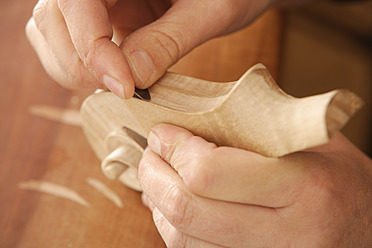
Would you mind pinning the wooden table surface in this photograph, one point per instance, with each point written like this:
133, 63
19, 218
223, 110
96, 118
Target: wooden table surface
36, 148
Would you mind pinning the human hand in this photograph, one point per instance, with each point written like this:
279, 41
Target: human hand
73, 38
207, 196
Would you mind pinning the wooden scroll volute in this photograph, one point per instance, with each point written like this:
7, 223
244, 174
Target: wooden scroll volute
252, 113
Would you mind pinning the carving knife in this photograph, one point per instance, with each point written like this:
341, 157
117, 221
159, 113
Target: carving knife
142, 94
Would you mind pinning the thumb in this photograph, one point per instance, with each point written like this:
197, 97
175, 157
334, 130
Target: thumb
151, 50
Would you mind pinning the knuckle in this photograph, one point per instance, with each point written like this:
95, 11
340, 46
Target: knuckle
326, 184
174, 153
200, 175
171, 44
76, 74
170, 154
324, 189
87, 56
90, 51
201, 171
328, 192
179, 211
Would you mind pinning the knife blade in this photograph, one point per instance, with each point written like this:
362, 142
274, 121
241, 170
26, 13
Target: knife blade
142, 94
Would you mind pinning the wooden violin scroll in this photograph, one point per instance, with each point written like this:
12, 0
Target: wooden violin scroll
252, 113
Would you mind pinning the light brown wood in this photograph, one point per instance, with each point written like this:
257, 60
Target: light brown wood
252, 113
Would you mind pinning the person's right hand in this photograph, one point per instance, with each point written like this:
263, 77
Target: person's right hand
202, 195
73, 39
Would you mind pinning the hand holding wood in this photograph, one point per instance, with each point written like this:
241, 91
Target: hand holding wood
196, 191
252, 113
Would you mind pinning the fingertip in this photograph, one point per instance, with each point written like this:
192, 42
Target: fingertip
124, 86
128, 89
164, 130
113, 85
165, 135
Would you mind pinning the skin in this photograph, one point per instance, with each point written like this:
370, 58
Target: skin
202, 195
152, 36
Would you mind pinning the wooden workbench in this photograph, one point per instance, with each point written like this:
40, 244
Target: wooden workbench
36, 148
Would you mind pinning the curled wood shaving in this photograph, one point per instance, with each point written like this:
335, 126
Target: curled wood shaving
54, 189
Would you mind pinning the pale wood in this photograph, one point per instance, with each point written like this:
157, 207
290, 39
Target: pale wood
54, 189
252, 113
67, 116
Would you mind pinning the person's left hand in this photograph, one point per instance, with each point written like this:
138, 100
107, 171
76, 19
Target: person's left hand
126, 43
207, 196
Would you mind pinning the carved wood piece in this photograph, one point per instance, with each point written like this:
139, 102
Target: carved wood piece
252, 113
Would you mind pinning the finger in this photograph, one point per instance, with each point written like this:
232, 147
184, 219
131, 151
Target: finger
46, 56
152, 49
228, 174
200, 217
91, 32
174, 238
128, 16
57, 53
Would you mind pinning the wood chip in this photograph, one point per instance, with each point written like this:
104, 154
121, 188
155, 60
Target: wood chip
54, 189
66, 116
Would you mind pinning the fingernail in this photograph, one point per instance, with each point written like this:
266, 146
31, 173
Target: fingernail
114, 86
142, 66
154, 143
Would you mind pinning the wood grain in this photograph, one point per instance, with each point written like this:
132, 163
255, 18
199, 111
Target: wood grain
252, 113
34, 148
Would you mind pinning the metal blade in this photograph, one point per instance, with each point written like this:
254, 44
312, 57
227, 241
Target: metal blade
142, 94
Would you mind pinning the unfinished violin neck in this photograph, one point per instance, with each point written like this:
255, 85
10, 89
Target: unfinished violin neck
252, 113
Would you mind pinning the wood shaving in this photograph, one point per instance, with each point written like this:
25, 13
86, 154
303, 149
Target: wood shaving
66, 116
54, 189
